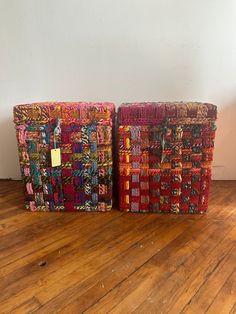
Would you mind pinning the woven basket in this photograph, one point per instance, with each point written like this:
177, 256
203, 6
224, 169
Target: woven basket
165, 156
83, 134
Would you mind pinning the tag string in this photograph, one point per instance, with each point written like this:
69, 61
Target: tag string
163, 143
57, 131
162, 148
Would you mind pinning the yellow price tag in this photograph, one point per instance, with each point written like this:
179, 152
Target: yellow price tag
56, 157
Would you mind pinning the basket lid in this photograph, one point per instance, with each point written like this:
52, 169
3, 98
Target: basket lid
152, 113
68, 112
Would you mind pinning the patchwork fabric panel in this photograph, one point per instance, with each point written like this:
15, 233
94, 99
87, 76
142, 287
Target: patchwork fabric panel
166, 166
83, 133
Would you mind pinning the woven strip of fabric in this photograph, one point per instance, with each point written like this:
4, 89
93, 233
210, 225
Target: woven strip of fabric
165, 165
83, 182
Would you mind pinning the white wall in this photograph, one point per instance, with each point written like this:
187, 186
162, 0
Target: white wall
119, 50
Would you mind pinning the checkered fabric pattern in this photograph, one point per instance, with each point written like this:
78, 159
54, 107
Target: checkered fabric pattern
165, 156
83, 181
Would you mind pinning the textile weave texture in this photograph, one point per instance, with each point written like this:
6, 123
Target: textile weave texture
83, 132
165, 156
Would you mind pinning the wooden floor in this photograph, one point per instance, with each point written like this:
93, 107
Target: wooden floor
116, 262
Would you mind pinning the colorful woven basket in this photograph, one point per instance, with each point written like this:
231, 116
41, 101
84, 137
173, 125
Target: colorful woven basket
165, 156
65, 152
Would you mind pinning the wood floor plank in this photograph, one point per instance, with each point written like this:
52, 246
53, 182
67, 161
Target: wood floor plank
38, 240
26, 307
117, 262
233, 310
175, 291
215, 281
71, 260
127, 262
96, 256
137, 288
57, 249
182, 286
59, 252
224, 301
